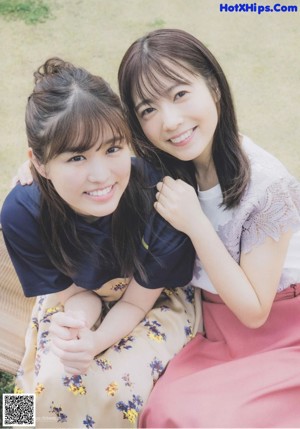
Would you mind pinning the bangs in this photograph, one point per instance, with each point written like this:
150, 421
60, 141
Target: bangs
80, 128
149, 76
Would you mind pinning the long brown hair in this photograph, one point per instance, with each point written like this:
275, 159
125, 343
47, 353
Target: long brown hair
67, 111
165, 53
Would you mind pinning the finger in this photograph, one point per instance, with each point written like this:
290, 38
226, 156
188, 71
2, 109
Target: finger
70, 358
76, 365
25, 180
163, 188
162, 210
159, 186
173, 184
69, 370
170, 185
66, 346
162, 199
65, 320
71, 346
14, 181
168, 181
24, 173
57, 331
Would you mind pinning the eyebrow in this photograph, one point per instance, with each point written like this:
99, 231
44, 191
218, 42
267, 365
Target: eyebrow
167, 91
110, 141
141, 103
104, 143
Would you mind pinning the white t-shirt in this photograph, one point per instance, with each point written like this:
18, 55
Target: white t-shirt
269, 207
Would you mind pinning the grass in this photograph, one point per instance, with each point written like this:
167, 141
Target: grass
30, 11
6, 386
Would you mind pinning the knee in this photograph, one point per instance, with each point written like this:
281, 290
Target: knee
159, 408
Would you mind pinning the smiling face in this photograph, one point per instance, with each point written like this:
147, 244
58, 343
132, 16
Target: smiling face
182, 120
91, 182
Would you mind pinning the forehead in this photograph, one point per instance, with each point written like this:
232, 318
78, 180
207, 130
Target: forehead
83, 136
156, 79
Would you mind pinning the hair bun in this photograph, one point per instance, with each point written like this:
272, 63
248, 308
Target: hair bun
51, 67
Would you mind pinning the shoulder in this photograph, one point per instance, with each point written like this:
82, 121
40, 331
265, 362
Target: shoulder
26, 197
268, 173
167, 255
20, 208
264, 165
147, 171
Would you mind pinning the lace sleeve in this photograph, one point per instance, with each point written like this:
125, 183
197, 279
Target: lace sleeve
277, 211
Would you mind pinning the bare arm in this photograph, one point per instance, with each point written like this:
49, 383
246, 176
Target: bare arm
247, 289
124, 316
82, 308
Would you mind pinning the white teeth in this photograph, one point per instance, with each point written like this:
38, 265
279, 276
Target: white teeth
182, 137
100, 192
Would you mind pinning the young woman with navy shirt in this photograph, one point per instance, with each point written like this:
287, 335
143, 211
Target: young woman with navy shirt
108, 272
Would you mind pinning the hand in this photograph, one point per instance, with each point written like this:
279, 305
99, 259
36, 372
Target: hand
76, 355
66, 325
23, 175
178, 203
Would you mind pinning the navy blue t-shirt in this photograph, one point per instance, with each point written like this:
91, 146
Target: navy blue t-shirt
166, 254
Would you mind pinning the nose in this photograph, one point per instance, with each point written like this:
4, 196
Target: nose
172, 117
98, 171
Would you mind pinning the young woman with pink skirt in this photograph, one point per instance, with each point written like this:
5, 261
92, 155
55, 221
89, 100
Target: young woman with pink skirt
243, 369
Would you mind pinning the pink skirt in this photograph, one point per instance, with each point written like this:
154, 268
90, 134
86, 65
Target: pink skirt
234, 377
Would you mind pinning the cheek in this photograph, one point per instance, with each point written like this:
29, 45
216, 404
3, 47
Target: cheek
151, 128
123, 169
66, 182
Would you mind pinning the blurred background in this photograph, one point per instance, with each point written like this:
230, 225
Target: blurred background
259, 54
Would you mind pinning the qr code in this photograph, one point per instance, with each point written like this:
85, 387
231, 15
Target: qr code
18, 410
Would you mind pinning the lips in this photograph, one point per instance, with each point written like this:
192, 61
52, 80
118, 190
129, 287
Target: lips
100, 192
182, 137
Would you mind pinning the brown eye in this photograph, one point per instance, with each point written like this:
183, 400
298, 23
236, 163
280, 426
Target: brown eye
113, 149
76, 158
180, 94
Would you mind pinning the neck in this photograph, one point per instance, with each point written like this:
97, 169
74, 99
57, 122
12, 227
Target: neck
206, 175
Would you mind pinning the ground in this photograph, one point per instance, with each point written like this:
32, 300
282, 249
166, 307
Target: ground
259, 54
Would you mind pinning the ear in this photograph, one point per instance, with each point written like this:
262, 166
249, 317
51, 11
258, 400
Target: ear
217, 94
41, 169
215, 90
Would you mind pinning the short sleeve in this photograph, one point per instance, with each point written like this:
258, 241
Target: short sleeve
277, 210
168, 256
19, 222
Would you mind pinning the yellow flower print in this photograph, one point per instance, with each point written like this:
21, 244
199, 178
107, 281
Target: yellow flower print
131, 415
156, 337
77, 390
18, 390
52, 310
39, 388
168, 292
112, 388
75, 384
154, 331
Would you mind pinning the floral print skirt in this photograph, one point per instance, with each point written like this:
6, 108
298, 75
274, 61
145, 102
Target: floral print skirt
119, 381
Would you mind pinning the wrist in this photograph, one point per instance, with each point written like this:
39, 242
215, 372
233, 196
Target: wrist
196, 225
98, 341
